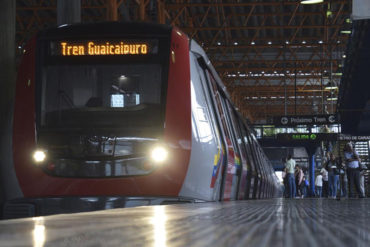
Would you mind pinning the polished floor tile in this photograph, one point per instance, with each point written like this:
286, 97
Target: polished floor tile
278, 222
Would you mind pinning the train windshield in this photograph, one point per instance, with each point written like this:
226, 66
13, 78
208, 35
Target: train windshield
105, 96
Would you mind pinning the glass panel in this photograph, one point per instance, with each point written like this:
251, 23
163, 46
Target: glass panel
109, 96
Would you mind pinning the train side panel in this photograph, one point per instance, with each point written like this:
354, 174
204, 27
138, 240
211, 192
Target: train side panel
203, 175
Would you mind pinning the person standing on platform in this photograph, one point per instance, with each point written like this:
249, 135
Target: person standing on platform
325, 182
353, 170
318, 185
298, 175
333, 174
285, 179
344, 183
362, 182
289, 167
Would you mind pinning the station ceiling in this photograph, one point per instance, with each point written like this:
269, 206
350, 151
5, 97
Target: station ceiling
275, 57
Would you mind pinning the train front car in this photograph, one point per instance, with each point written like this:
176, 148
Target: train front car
102, 118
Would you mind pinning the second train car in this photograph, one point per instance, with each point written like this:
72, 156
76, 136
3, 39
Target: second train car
121, 114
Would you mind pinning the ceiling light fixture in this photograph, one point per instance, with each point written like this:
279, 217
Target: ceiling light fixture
346, 31
332, 99
330, 86
311, 1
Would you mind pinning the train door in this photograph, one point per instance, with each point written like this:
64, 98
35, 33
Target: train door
220, 158
262, 170
229, 174
250, 162
264, 174
242, 167
233, 171
227, 157
257, 162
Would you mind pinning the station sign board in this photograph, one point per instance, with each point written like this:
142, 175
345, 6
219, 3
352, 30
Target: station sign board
305, 120
320, 137
314, 137
343, 137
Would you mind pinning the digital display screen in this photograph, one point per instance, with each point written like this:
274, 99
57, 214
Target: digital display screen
103, 48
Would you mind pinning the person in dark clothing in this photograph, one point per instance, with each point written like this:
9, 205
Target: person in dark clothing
332, 167
298, 174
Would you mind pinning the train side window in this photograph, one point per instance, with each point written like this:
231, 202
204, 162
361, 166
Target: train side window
210, 112
221, 111
246, 143
235, 124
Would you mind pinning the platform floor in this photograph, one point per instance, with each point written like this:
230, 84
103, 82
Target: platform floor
278, 222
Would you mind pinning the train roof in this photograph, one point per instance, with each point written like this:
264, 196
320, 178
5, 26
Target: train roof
108, 29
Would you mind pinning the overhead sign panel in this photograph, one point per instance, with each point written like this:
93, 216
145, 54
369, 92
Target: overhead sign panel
315, 137
342, 137
320, 137
305, 120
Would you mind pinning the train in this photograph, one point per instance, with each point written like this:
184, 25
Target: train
111, 115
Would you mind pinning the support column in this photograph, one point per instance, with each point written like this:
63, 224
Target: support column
161, 10
112, 10
312, 173
142, 6
8, 185
68, 11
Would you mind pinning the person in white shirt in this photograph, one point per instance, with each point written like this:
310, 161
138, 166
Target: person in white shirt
325, 182
289, 167
353, 170
318, 185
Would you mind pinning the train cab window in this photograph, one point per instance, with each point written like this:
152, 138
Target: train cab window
100, 95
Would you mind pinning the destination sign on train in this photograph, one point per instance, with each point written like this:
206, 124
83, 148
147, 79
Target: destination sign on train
103, 48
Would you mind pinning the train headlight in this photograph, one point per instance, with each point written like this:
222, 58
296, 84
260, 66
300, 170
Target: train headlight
159, 154
39, 156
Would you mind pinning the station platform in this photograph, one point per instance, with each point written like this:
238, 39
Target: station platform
276, 222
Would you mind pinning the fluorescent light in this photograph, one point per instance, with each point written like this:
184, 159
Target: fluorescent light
311, 1
346, 31
332, 99
269, 42
235, 43
253, 43
330, 86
